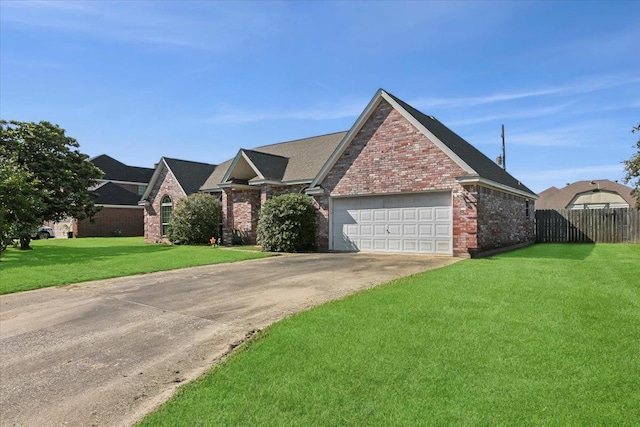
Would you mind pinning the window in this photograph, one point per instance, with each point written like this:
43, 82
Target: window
166, 207
141, 189
526, 208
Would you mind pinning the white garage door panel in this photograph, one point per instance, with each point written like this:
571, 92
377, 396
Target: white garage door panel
398, 223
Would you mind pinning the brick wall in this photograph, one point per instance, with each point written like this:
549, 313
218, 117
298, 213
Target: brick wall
240, 209
111, 222
389, 155
166, 185
503, 220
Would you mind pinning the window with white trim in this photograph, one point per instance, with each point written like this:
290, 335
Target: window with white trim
166, 208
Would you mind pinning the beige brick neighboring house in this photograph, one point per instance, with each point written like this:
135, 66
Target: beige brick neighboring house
596, 194
172, 180
397, 181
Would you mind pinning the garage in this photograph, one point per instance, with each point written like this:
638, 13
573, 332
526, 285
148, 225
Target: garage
413, 223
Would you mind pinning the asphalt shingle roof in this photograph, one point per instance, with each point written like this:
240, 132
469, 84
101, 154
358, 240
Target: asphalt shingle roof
113, 194
190, 175
559, 198
115, 170
480, 163
270, 166
304, 159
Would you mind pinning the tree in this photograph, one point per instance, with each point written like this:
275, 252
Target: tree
195, 219
632, 169
287, 224
61, 174
19, 201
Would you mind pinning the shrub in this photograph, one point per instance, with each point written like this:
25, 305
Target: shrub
195, 219
287, 224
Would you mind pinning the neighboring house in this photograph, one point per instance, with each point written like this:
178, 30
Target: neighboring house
597, 194
172, 180
117, 194
397, 181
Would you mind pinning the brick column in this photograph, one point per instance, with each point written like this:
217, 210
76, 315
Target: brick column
227, 216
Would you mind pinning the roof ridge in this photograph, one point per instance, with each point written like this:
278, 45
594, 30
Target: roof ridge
189, 161
301, 139
262, 152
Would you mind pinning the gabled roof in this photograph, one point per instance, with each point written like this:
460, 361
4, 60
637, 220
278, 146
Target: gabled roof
112, 194
190, 175
291, 161
271, 166
115, 170
554, 198
478, 167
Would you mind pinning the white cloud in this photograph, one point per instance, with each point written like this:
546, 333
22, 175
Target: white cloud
344, 109
214, 27
586, 85
519, 114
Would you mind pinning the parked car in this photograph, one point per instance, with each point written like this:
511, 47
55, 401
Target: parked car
43, 233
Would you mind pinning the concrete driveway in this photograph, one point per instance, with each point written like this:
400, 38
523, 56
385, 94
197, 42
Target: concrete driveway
108, 352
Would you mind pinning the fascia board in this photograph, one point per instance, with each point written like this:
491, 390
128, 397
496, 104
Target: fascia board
236, 159
492, 184
226, 176
255, 169
330, 163
239, 186
442, 146
154, 178
314, 191
99, 185
265, 181
138, 206
115, 181
298, 181
279, 183
174, 175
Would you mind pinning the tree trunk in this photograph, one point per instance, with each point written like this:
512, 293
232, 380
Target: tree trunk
24, 243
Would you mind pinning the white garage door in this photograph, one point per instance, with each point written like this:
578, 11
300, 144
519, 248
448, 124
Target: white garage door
419, 223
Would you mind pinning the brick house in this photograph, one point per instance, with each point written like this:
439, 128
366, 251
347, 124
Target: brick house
397, 181
172, 180
117, 195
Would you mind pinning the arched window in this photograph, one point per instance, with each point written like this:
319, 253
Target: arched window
166, 208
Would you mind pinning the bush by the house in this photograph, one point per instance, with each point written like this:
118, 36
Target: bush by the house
287, 224
195, 219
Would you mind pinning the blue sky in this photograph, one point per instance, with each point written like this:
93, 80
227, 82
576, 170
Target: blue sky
199, 79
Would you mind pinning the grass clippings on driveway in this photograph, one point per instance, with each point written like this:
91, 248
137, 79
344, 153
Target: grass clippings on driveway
547, 335
63, 261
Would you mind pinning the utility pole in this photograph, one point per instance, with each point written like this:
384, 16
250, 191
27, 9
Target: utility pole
504, 153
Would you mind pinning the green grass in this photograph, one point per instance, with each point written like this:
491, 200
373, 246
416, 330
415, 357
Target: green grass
62, 261
544, 336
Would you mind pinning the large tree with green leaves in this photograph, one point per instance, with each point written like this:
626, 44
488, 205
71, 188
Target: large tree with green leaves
19, 201
632, 169
60, 173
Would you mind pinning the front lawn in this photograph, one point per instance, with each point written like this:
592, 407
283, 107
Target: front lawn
547, 335
63, 261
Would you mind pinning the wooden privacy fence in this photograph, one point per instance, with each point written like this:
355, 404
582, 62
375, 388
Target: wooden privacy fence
588, 226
